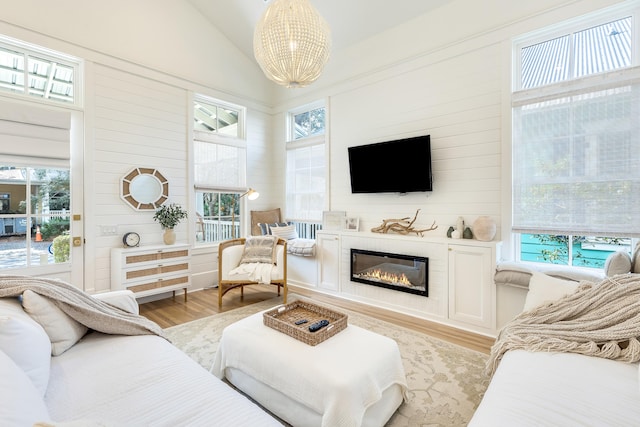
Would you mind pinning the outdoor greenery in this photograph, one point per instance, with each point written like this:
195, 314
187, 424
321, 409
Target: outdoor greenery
556, 250
219, 204
310, 123
54, 227
169, 215
61, 248
560, 252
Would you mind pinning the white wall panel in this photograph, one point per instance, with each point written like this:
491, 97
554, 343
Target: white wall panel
457, 102
139, 122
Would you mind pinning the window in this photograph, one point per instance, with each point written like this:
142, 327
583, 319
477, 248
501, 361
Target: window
219, 168
306, 167
36, 72
576, 143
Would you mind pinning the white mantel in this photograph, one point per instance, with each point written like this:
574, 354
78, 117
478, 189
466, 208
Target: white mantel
459, 303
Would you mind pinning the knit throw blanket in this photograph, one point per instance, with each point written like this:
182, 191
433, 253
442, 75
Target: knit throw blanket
599, 319
80, 306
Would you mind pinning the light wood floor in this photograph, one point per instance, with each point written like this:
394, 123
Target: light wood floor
174, 311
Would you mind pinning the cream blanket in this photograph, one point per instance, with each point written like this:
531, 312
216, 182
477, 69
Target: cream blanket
601, 320
80, 306
257, 271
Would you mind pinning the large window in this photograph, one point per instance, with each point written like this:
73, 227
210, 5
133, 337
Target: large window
306, 166
576, 143
219, 168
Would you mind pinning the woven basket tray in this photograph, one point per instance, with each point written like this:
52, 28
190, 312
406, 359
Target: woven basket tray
283, 319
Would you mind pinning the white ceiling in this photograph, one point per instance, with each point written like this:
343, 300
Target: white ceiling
350, 20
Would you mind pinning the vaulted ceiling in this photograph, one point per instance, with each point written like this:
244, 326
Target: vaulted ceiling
350, 20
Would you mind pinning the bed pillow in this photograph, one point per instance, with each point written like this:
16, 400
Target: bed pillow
617, 263
287, 232
22, 403
25, 342
63, 331
544, 289
259, 249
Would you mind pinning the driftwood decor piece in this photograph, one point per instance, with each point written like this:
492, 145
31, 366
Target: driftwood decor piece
402, 226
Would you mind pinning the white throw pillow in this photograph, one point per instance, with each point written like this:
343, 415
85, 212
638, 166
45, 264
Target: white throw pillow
25, 342
63, 331
22, 404
544, 289
124, 300
259, 249
287, 232
617, 263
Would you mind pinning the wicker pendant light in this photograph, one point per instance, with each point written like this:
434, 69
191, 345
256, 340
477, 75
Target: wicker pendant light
292, 43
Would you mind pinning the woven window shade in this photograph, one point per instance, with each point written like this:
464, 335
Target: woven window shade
292, 43
576, 162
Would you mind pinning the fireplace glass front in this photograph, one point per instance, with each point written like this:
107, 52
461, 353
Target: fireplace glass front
405, 273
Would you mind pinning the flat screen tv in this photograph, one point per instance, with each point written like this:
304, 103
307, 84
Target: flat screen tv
399, 166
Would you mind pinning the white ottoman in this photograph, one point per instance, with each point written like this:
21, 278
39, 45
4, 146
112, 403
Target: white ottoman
354, 378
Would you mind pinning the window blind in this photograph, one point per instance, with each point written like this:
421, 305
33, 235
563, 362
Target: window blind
27, 131
306, 183
219, 166
576, 157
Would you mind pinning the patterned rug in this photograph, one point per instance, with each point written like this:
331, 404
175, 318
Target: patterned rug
446, 381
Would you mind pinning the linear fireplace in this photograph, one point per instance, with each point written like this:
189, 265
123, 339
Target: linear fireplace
405, 273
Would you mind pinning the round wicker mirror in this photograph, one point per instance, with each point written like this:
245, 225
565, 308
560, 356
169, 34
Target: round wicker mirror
144, 189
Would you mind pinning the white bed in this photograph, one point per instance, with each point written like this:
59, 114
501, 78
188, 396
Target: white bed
560, 389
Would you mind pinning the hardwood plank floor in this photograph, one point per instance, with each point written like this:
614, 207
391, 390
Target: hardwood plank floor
175, 311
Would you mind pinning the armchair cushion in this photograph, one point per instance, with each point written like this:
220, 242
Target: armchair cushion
259, 249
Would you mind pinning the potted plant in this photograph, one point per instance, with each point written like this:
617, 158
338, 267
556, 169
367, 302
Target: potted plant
169, 216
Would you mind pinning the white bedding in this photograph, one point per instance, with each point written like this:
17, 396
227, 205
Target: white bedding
164, 387
339, 378
560, 389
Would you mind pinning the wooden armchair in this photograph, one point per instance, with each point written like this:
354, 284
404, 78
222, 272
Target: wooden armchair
229, 255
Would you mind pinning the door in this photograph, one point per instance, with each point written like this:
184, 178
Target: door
41, 218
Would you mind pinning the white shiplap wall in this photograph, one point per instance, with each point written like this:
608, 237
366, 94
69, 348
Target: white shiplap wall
457, 100
137, 122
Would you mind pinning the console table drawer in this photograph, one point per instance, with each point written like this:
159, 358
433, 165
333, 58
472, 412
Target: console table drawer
156, 256
160, 284
159, 269
149, 270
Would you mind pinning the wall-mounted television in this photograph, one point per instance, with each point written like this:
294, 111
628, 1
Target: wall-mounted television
398, 166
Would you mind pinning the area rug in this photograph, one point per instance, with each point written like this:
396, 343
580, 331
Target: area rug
446, 382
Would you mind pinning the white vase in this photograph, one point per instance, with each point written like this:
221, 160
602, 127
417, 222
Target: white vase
169, 236
484, 228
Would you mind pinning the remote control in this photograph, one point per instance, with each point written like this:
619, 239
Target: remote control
318, 325
300, 322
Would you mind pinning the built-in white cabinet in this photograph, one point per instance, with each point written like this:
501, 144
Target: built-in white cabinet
149, 270
472, 297
328, 253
